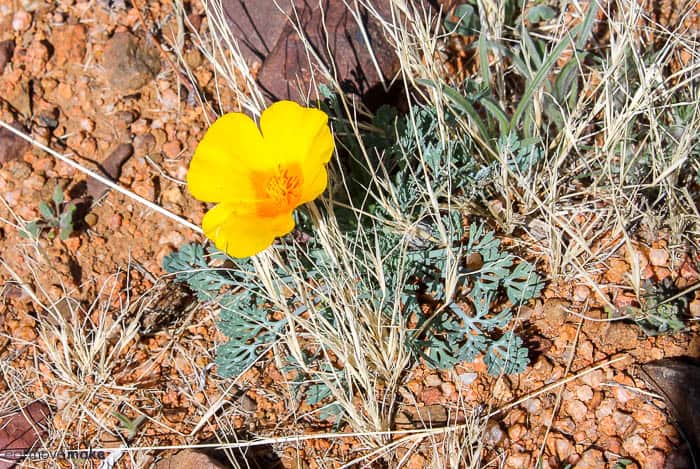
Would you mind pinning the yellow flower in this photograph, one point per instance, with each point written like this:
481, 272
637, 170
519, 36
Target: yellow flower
259, 176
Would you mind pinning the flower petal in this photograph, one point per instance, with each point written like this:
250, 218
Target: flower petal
301, 135
297, 133
314, 183
221, 165
240, 232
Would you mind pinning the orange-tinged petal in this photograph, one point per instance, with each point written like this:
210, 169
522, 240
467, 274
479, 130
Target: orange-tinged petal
300, 135
240, 232
314, 183
224, 158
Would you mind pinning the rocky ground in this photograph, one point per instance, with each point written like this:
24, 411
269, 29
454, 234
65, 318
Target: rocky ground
100, 81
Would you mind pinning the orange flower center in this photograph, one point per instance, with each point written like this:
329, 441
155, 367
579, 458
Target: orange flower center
279, 190
284, 185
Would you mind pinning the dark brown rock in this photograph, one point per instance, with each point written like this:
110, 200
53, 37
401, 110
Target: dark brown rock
287, 69
19, 431
111, 167
7, 48
266, 36
12, 146
189, 459
257, 25
130, 63
678, 380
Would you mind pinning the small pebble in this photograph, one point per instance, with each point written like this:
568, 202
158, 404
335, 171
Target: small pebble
581, 293
21, 21
87, 124
494, 434
91, 219
584, 393
577, 410
172, 149
694, 308
658, 257
432, 380
467, 378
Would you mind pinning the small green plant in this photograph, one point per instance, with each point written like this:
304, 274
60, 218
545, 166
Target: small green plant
56, 218
464, 20
131, 426
662, 310
622, 463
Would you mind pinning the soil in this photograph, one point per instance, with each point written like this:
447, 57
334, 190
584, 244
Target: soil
87, 78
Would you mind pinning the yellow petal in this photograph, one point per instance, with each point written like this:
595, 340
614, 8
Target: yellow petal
240, 232
297, 133
301, 135
314, 183
224, 158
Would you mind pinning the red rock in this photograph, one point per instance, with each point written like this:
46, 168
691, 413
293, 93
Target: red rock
417, 461
593, 379
658, 257
618, 270
432, 380
502, 389
584, 393
687, 270
658, 440
172, 149
562, 447
448, 390
622, 395
532, 406
585, 351
661, 273
581, 293
648, 416
494, 434
591, 459
617, 336
626, 300
577, 410
518, 460
694, 308
555, 313
612, 444
654, 459
72, 244
516, 432
623, 422
634, 445
431, 396
607, 426
70, 43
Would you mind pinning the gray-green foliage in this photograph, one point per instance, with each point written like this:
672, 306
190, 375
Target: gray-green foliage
56, 217
467, 326
662, 310
414, 265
